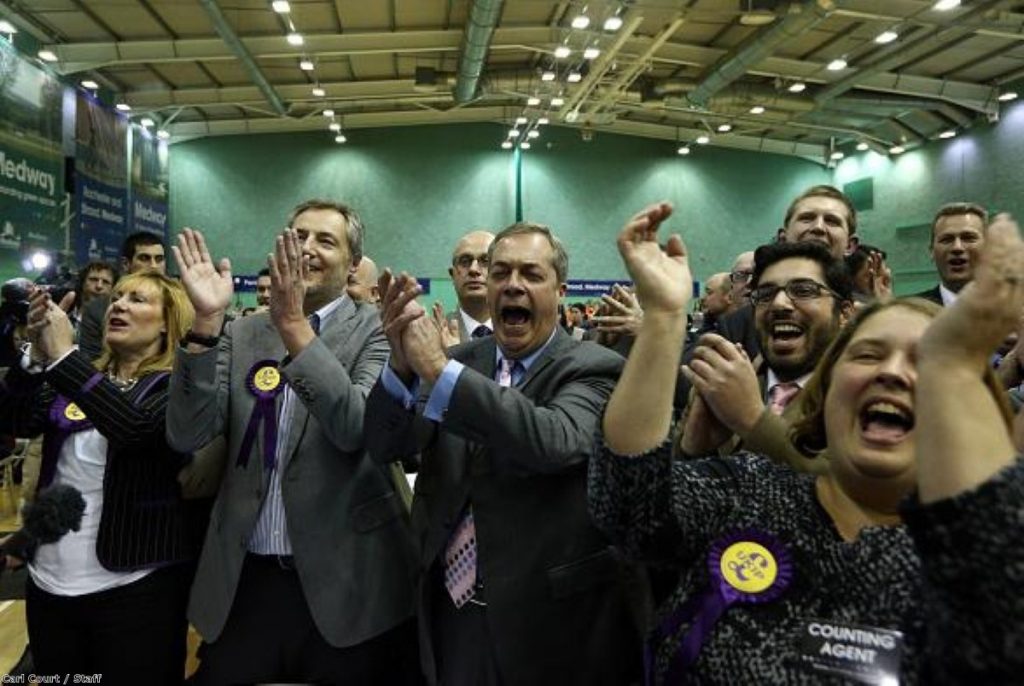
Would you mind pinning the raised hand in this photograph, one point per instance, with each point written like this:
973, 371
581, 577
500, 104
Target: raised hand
208, 285
449, 330
621, 313
398, 307
988, 308
424, 348
880, 276
663, 281
287, 281
49, 329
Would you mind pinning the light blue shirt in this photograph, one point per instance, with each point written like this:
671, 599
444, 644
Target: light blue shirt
270, 535
441, 395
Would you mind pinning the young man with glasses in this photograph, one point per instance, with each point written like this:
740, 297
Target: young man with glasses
802, 297
469, 278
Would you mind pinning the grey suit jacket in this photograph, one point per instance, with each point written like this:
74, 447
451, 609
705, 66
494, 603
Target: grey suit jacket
348, 528
558, 595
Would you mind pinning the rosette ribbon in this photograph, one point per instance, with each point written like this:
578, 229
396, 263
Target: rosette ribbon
264, 382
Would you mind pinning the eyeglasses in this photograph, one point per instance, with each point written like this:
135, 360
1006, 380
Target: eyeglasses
464, 262
741, 276
797, 289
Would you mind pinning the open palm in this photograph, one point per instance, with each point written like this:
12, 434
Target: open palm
209, 286
662, 278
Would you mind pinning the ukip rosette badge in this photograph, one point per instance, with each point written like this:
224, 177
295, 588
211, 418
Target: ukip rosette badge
264, 382
73, 413
746, 566
68, 416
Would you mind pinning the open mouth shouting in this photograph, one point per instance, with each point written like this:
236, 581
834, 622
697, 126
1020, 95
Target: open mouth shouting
115, 323
786, 336
515, 319
885, 422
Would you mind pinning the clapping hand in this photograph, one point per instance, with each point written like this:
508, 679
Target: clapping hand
209, 286
398, 307
621, 313
449, 330
49, 329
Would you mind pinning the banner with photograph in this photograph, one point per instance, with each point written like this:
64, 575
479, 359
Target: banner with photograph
101, 178
149, 182
31, 159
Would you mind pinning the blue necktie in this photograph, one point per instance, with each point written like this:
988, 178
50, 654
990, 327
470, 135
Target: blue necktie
481, 331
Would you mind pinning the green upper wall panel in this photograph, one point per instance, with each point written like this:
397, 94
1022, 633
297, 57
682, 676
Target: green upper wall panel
418, 189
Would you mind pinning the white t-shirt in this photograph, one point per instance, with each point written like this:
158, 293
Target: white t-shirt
70, 567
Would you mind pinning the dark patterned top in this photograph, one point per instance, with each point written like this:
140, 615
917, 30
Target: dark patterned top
951, 579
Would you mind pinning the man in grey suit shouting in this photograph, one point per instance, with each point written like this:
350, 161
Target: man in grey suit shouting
517, 586
308, 569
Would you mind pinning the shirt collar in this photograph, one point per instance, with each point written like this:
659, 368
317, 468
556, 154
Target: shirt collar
948, 296
471, 324
330, 308
771, 380
527, 361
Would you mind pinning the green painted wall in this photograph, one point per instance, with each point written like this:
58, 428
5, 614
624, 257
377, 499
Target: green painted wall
981, 165
418, 189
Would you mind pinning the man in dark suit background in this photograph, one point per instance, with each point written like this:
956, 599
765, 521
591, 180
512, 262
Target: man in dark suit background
469, 278
958, 232
309, 567
517, 586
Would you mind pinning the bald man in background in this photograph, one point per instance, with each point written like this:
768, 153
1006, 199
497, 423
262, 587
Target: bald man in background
469, 278
362, 283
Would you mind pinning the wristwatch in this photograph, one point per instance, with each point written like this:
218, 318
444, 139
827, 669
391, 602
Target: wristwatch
205, 341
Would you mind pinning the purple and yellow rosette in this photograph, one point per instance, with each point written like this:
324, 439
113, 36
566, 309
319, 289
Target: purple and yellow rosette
68, 416
747, 566
264, 382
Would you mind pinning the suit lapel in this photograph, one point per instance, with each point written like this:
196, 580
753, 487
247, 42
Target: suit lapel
561, 342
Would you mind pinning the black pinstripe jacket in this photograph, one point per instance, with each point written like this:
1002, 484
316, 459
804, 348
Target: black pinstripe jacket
145, 522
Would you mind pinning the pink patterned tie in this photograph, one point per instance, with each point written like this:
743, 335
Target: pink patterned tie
460, 554
780, 395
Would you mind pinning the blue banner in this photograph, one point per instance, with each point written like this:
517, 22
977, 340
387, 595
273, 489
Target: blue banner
102, 217
586, 288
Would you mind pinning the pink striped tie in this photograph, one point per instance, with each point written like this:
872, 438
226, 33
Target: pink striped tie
780, 395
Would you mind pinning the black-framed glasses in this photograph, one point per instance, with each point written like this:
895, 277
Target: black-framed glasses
740, 276
797, 289
464, 262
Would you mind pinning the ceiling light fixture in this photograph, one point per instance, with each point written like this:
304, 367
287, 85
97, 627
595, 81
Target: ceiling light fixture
328, 113
507, 145
533, 134
47, 55
725, 128
562, 51
613, 23
798, 87
524, 145
533, 101
319, 92
90, 84
147, 122
295, 39
340, 138
513, 133
949, 133
543, 121
7, 27
897, 150
886, 37
703, 139
557, 102
837, 155
837, 64
574, 77
281, 6
862, 146
591, 53
306, 65
683, 150
580, 21
123, 107
946, 5
547, 76
334, 126
521, 120
163, 134
757, 109
1007, 96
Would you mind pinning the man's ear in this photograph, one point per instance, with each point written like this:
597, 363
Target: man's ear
562, 289
846, 312
451, 272
852, 244
780, 236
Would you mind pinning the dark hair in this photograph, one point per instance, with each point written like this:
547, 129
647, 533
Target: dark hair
136, 240
836, 276
825, 191
263, 272
94, 266
955, 209
352, 221
808, 433
578, 306
559, 260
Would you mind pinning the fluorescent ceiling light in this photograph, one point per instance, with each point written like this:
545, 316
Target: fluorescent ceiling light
163, 135
557, 102
862, 146
798, 87
948, 134
683, 150
838, 64
725, 128
47, 55
147, 122
757, 109
521, 120
547, 76
703, 140
295, 39
886, 37
1007, 96
507, 145
613, 23
591, 53
524, 145
334, 126
513, 133
533, 102
533, 134
7, 27
580, 21
340, 138
306, 65
281, 6
574, 77
543, 121
837, 155
123, 107
90, 84
562, 51
328, 113
897, 150
319, 92
946, 5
